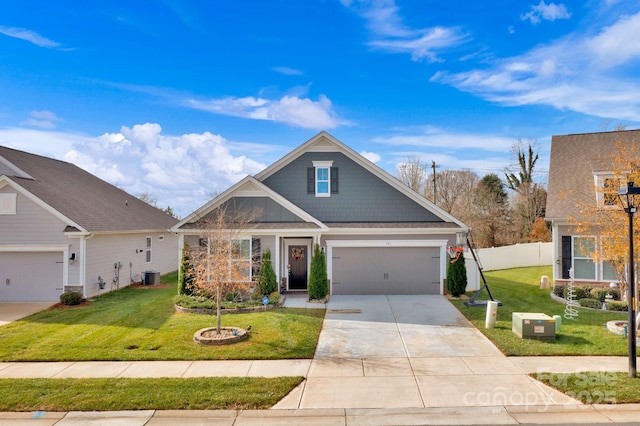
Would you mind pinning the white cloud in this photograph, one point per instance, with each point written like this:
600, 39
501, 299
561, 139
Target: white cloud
180, 171
433, 137
590, 74
388, 32
618, 43
41, 119
547, 12
28, 35
287, 71
291, 110
371, 156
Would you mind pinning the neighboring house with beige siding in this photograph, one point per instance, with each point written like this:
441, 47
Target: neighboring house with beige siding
580, 167
63, 228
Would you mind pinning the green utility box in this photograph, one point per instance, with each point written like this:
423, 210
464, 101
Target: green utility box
533, 325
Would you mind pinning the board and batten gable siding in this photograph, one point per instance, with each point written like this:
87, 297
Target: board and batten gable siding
31, 224
361, 197
264, 208
130, 249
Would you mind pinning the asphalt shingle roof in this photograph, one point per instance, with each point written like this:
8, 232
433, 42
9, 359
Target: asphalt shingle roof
574, 159
87, 200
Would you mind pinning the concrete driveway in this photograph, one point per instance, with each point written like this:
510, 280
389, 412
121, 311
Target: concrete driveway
410, 351
11, 311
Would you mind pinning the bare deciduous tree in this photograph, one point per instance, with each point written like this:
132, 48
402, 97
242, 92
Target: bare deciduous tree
223, 257
412, 173
454, 191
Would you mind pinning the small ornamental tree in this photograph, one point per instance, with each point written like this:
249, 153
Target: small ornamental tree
223, 258
457, 276
318, 288
185, 281
267, 282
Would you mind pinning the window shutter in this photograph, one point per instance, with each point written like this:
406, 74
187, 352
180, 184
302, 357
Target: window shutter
256, 257
334, 180
311, 180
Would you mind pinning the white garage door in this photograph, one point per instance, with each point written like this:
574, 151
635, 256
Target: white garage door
31, 277
385, 270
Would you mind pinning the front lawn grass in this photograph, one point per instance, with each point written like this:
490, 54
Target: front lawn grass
217, 393
518, 290
595, 387
142, 324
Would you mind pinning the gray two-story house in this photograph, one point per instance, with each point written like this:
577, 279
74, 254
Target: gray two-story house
379, 236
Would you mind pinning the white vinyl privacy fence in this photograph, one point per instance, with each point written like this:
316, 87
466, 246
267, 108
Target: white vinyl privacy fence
516, 256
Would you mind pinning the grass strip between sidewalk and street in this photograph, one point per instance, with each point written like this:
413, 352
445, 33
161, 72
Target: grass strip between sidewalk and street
595, 387
111, 394
518, 290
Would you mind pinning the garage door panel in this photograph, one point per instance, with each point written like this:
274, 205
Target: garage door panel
30, 276
386, 270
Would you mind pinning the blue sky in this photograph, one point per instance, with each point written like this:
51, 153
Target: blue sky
181, 99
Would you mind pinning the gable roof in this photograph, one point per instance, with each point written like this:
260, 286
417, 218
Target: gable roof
248, 186
574, 160
323, 142
86, 201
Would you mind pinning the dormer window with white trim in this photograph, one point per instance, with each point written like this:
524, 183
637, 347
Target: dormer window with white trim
8, 203
322, 179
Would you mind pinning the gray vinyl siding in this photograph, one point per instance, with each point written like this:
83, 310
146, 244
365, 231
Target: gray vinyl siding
104, 250
264, 208
362, 196
31, 224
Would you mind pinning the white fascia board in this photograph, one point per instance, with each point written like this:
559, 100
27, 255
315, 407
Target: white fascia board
18, 170
249, 187
386, 243
314, 145
210, 205
396, 231
39, 202
33, 247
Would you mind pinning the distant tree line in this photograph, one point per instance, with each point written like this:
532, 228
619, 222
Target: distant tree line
499, 212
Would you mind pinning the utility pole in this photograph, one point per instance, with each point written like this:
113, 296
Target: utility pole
433, 166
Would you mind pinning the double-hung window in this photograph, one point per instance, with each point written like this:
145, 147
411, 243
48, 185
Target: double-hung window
583, 265
322, 179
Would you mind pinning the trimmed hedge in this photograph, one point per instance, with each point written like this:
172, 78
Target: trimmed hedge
70, 298
618, 306
590, 303
558, 290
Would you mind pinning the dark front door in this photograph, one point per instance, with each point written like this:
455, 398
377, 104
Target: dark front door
297, 267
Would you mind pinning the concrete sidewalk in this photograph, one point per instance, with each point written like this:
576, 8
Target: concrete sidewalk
380, 360
490, 415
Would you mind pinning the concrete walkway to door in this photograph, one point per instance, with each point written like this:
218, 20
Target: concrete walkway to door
410, 351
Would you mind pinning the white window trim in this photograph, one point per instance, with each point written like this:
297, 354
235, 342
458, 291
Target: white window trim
148, 249
574, 257
322, 165
8, 204
233, 259
599, 178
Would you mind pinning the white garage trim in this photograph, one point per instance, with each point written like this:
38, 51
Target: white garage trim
442, 244
41, 248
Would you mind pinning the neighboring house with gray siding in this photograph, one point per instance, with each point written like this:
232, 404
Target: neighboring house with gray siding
380, 236
579, 170
63, 228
